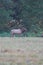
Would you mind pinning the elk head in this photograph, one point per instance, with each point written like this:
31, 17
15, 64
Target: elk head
24, 29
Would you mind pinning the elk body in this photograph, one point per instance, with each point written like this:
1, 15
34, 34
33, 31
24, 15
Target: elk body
17, 31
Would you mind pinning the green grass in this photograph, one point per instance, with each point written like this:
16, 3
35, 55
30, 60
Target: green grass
29, 34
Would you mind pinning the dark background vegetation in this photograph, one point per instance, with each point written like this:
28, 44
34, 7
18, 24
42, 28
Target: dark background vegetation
29, 11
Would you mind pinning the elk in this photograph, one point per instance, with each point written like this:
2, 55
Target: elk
18, 31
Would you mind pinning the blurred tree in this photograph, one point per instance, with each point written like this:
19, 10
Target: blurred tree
30, 11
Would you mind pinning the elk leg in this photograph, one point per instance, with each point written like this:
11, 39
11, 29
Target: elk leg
12, 34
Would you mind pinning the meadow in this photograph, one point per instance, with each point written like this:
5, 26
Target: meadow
21, 51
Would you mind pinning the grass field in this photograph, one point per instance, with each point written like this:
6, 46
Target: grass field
21, 51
